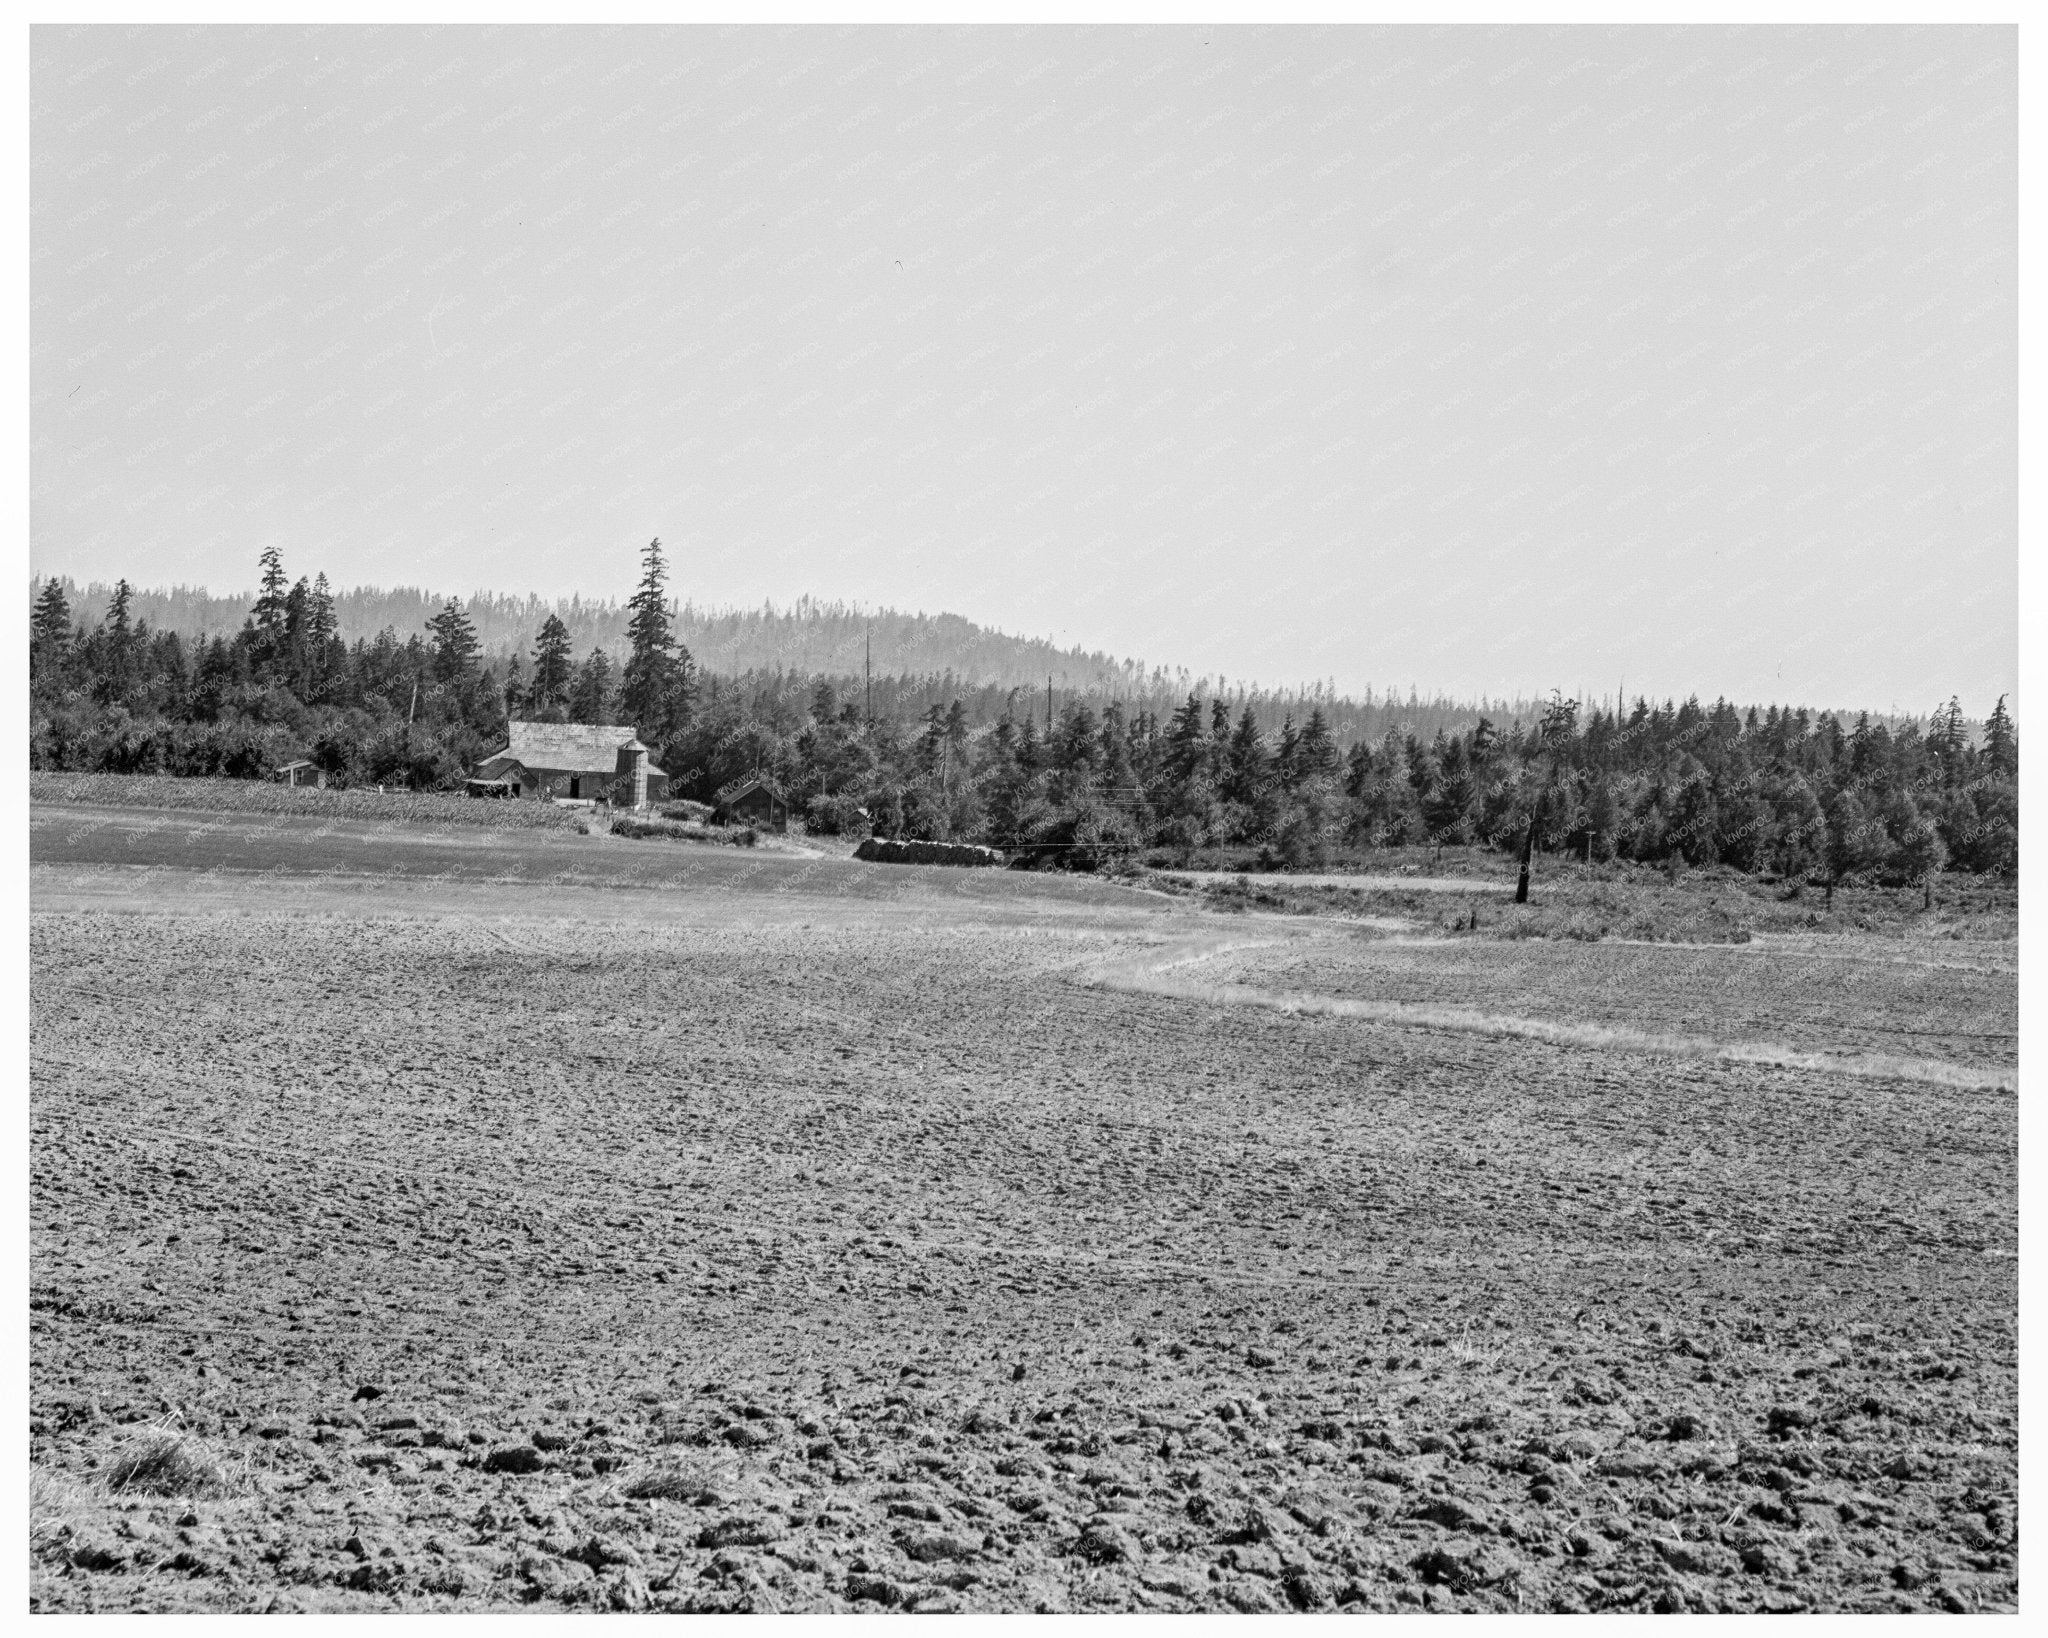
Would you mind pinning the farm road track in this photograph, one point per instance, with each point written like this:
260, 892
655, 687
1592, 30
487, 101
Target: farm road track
1167, 975
958, 1282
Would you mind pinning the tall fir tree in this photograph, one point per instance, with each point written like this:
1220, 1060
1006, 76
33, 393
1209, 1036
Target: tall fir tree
118, 643
654, 688
1186, 745
1316, 757
118, 624
1248, 762
268, 615
323, 626
49, 632
2001, 742
455, 644
552, 666
51, 621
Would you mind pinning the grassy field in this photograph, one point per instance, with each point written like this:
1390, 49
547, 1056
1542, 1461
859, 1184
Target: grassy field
296, 801
1475, 896
429, 1217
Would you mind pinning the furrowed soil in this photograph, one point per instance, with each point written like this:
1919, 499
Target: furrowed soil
499, 1218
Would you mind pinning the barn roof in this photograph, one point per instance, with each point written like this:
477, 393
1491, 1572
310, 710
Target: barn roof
572, 747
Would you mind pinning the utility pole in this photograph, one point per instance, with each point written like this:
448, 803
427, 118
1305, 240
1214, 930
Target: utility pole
1048, 705
871, 675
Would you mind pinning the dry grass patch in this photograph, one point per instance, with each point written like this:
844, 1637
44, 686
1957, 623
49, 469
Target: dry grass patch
57, 1503
167, 1462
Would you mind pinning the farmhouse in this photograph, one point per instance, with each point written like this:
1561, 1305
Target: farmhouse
578, 760
303, 772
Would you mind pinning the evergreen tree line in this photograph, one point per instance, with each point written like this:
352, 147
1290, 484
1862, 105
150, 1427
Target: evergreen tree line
943, 655
1071, 779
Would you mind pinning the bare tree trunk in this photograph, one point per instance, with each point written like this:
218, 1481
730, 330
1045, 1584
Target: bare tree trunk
1528, 846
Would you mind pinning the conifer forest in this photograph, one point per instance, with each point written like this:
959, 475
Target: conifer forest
1069, 778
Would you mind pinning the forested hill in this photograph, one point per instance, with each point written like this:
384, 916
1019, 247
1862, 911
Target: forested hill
810, 636
918, 658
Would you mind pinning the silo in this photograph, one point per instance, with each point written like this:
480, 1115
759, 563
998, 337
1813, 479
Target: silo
633, 766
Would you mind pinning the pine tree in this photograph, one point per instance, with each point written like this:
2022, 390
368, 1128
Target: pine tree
297, 611
117, 622
1028, 755
1447, 804
1484, 738
931, 742
514, 692
1286, 764
268, 615
654, 688
1316, 754
2001, 742
319, 665
1861, 743
455, 644
111, 651
322, 626
551, 665
1186, 747
50, 625
1247, 766
590, 700
1358, 770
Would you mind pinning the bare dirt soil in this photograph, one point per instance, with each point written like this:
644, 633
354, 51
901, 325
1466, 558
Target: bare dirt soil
432, 1220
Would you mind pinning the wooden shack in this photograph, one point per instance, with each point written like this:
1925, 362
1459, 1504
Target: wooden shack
750, 802
303, 772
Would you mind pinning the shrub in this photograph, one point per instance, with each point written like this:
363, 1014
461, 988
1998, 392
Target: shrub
683, 830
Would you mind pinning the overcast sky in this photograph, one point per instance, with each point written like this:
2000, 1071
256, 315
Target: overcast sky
1483, 359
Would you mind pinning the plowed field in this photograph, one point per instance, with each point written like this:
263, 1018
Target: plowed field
504, 1219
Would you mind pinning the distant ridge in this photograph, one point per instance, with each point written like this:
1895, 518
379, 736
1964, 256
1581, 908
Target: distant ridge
815, 638
807, 636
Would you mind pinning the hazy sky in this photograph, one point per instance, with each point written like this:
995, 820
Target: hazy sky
1476, 358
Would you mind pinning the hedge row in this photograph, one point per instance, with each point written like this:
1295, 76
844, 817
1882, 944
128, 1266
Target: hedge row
682, 830
877, 850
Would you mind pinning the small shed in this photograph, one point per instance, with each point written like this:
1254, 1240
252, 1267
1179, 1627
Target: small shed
303, 772
751, 802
